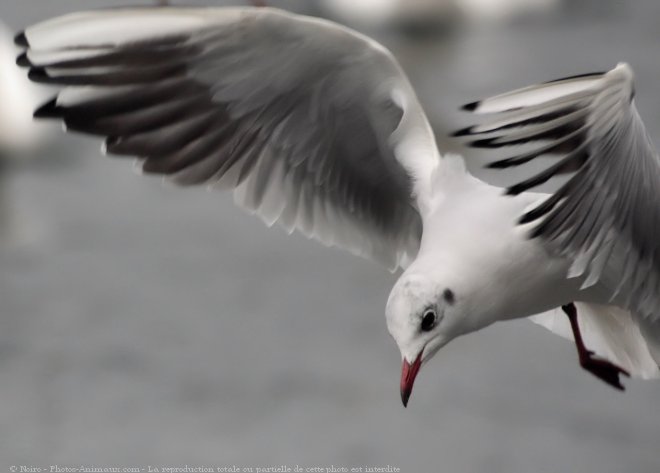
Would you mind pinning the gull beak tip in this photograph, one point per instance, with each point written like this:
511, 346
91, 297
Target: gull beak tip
405, 395
408, 375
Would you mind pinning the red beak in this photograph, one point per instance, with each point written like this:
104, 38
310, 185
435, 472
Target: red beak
408, 374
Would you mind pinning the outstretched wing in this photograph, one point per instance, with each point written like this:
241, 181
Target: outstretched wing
313, 125
606, 217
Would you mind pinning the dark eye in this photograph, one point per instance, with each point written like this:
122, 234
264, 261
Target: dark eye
429, 320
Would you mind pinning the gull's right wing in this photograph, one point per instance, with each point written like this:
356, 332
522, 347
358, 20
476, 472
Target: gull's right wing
313, 125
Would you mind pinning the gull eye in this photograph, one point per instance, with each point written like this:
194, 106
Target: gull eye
429, 320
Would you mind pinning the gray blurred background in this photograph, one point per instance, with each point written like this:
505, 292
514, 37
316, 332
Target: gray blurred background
142, 324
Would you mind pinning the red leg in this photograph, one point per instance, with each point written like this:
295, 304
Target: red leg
603, 369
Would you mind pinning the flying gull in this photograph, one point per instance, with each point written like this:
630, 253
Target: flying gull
315, 127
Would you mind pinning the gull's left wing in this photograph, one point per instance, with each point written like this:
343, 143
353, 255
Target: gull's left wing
313, 126
606, 216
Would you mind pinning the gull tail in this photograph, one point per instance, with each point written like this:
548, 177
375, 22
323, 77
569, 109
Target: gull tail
612, 333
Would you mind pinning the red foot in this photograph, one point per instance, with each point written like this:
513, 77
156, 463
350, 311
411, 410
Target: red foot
599, 367
603, 369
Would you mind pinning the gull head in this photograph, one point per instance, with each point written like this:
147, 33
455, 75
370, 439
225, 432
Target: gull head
423, 315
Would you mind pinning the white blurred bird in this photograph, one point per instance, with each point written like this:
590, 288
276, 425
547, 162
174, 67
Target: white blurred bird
499, 11
387, 13
20, 136
317, 128
18, 97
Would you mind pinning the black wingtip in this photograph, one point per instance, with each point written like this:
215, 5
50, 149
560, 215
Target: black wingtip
527, 218
514, 190
536, 232
463, 132
496, 165
485, 143
505, 163
578, 76
38, 74
23, 61
112, 145
471, 107
48, 110
21, 40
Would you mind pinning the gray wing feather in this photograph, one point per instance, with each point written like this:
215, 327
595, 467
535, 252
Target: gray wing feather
606, 217
296, 115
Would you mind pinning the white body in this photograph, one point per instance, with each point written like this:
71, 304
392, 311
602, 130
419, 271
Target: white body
473, 225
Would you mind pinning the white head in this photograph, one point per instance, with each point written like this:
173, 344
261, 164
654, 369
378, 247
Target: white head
423, 314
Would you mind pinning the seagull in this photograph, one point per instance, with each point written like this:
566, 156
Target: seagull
315, 127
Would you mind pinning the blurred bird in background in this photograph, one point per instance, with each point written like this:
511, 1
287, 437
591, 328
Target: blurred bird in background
21, 137
427, 15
